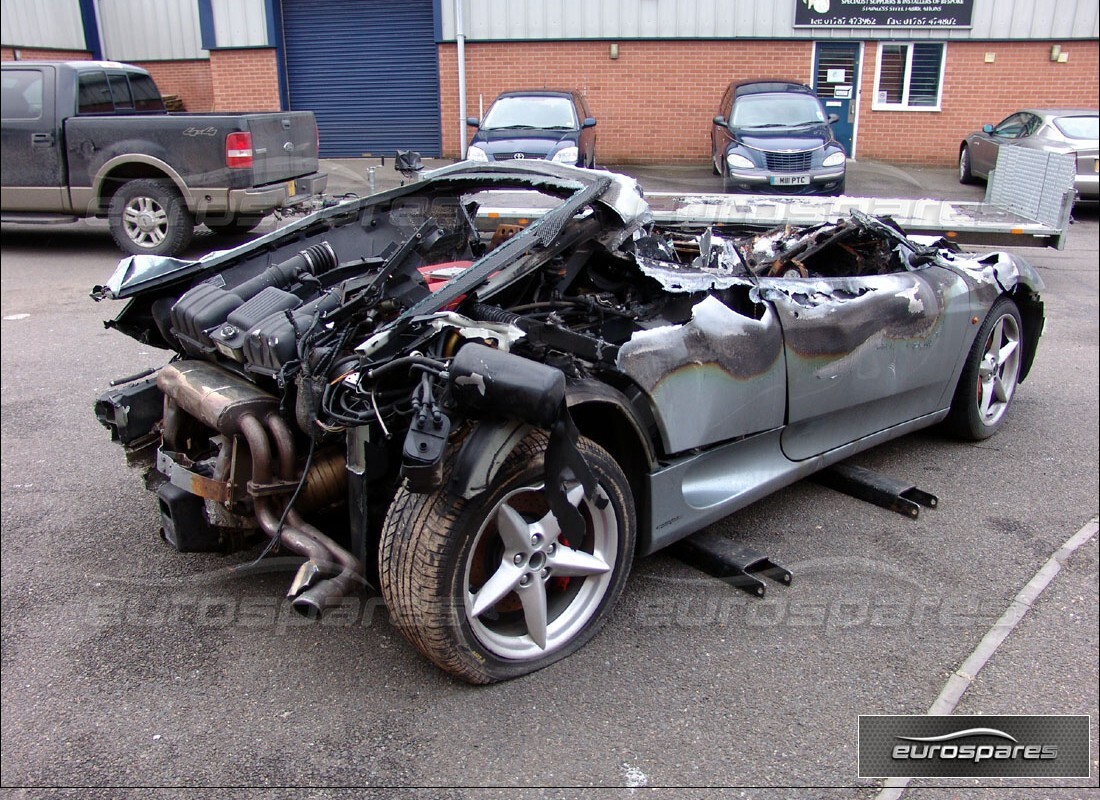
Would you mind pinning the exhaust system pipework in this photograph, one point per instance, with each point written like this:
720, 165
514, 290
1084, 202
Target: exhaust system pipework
233, 407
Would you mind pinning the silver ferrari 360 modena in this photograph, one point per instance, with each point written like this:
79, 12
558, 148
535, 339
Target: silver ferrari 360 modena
489, 421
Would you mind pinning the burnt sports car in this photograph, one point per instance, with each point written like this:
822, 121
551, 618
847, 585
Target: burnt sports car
489, 420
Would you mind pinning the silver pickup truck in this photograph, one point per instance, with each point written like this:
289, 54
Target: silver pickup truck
93, 139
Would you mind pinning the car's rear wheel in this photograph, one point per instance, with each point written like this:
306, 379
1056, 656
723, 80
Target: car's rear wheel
490, 588
965, 173
149, 217
990, 375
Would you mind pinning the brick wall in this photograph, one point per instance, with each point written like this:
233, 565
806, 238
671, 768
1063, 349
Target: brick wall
976, 93
654, 103
245, 80
190, 79
38, 54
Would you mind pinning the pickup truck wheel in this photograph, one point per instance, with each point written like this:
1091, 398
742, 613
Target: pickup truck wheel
990, 375
149, 217
239, 223
489, 588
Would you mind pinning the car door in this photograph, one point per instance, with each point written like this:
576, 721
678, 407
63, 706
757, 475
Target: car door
866, 353
985, 146
33, 167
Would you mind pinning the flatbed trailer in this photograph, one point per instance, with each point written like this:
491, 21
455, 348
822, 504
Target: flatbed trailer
966, 222
1029, 198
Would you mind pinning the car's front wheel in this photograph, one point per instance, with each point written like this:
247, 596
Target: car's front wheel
727, 184
966, 175
491, 588
990, 375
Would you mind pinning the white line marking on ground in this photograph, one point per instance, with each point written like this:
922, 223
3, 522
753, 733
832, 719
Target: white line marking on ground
961, 678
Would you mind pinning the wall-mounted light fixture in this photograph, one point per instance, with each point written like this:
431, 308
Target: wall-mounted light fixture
613, 51
1055, 51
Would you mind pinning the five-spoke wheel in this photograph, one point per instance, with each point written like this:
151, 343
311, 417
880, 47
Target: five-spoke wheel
520, 555
491, 588
989, 377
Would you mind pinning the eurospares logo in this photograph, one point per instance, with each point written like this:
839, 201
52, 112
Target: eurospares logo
973, 747
946, 748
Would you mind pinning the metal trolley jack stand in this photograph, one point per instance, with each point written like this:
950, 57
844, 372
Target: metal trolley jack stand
731, 562
874, 487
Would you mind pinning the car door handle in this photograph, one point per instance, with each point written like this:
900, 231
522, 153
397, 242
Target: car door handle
42, 139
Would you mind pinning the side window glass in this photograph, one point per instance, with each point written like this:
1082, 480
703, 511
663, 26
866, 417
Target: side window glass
21, 94
94, 95
1010, 128
146, 95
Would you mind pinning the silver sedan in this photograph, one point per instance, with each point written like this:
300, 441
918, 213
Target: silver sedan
1056, 130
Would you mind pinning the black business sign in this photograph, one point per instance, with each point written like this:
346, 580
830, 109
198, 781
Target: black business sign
919, 746
883, 13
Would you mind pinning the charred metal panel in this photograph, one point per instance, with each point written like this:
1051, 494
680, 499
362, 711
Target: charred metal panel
863, 354
717, 377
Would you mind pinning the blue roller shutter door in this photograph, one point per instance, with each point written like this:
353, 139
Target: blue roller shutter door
369, 70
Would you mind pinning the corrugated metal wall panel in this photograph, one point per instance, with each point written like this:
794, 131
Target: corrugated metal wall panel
369, 71
240, 23
32, 23
150, 30
723, 19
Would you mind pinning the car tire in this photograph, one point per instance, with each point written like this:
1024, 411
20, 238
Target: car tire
148, 216
727, 187
990, 375
435, 547
238, 223
966, 175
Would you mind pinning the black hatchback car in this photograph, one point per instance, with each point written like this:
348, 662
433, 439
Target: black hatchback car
543, 124
775, 137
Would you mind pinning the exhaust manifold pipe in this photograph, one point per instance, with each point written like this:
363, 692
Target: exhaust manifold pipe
232, 406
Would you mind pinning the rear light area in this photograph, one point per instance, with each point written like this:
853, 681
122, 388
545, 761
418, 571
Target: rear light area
238, 150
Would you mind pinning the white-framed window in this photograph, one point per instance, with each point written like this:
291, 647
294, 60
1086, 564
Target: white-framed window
909, 76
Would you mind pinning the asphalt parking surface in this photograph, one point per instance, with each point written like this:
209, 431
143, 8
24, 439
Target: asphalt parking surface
126, 664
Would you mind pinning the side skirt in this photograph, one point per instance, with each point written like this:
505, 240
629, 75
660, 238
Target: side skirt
694, 491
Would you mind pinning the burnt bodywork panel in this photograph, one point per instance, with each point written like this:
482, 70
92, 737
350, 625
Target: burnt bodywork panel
407, 339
